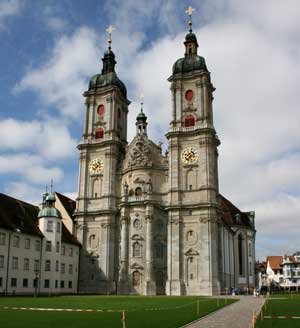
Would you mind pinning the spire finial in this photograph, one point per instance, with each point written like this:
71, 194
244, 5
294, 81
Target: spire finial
142, 102
189, 11
110, 29
51, 186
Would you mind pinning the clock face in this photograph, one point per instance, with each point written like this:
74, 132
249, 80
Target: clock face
96, 166
189, 155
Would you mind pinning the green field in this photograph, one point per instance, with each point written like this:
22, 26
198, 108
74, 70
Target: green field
157, 311
281, 305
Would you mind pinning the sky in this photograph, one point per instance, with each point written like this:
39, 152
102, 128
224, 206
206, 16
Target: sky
50, 49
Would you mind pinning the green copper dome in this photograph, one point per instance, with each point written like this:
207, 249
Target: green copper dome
108, 76
141, 116
191, 60
107, 79
49, 212
188, 64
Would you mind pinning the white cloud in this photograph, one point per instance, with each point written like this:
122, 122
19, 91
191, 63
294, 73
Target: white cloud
50, 139
61, 81
9, 8
31, 167
25, 192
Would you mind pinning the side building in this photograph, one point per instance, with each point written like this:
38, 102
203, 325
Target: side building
38, 254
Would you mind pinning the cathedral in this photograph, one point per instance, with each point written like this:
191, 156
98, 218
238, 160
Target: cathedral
151, 223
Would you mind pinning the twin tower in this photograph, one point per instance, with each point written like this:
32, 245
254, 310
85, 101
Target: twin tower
150, 223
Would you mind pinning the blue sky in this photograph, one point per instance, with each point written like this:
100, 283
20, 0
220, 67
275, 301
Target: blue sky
50, 49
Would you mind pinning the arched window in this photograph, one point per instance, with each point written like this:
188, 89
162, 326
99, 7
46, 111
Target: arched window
136, 249
138, 191
99, 133
136, 278
241, 254
119, 116
189, 121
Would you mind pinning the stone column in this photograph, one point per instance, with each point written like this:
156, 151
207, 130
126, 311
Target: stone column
150, 286
124, 249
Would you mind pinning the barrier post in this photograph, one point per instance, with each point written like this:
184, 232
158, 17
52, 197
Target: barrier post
198, 309
123, 319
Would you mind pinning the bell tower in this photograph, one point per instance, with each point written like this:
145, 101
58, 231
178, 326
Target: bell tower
102, 151
193, 177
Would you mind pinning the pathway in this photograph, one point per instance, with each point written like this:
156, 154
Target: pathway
237, 315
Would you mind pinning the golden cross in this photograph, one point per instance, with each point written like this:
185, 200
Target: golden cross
189, 11
110, 29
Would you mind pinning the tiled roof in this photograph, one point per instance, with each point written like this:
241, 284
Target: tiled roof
232, 215
16, 214
275, 262
68, 203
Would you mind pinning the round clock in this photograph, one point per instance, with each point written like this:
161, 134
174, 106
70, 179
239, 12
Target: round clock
96, 166
189, 155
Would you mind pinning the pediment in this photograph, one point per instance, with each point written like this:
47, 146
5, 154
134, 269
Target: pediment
136, 266
191, 252
137, 237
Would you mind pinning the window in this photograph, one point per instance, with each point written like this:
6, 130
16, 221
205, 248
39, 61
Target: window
189, 121
249, 249
241, 255
191, 276
25, 283
56, 266
46, 283
37, 245
1, 281
1, 261
2, 238
189, 94
70, 269
70, 251
13, 282
36, 265
56, 283
16, 241
100, 110
136, 278
58, 227
62, 284
48, 265
35, 283
63, 250
48, 246
190, 187
99, 133
26, 264
57, 247
49, 226
62, 268
191, 260
136, 250
27, 243
15, 263
70, 284
138, 191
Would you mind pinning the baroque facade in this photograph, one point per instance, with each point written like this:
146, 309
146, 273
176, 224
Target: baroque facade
151, 223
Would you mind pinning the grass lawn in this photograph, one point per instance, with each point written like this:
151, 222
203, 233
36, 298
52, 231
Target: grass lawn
281, 305
140, 311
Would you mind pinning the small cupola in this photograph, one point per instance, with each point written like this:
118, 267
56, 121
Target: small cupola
48, 206
141, 121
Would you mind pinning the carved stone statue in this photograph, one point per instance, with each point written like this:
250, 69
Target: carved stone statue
125, 189
149, 186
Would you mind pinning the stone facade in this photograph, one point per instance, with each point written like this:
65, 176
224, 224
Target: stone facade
151, 223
